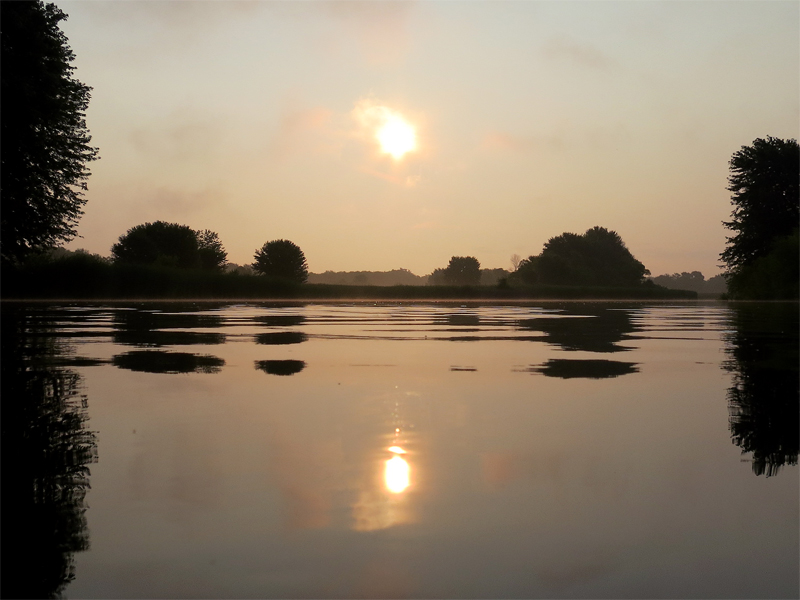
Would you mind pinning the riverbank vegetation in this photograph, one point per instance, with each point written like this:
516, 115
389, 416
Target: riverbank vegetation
763, 254
80, 275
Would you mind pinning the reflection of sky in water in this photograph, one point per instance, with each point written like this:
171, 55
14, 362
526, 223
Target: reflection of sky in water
609, 479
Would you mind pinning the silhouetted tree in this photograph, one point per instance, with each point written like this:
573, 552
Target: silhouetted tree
281, 259
599, 257
167, 244
45, 141
764, 181
462, 270
212, 254
762, 255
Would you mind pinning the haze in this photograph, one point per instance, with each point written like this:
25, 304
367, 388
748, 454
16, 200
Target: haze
513, 122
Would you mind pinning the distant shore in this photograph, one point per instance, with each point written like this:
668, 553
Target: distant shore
92, 280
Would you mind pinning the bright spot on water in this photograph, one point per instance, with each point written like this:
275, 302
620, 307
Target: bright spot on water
396, 474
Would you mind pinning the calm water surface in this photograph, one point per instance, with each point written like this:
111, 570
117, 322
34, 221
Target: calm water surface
400, 450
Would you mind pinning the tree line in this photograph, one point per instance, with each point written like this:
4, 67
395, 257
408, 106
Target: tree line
175, 245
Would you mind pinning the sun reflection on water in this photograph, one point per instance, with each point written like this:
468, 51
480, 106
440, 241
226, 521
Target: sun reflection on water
397, 472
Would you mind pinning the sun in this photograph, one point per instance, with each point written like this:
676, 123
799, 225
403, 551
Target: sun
396, 137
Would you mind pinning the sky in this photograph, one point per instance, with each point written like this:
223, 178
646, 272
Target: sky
511, 123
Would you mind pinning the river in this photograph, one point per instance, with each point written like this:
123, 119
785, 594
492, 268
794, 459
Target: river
294, 450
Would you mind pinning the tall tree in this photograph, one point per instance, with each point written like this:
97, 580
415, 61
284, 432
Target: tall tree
763, 255
281, 259
764, 179
45, 142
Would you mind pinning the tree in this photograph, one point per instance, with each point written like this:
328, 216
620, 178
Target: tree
599, 257
764, 179
45, 142
168, 244
212, 255
462, 270
172, 245
763, 254
281, 259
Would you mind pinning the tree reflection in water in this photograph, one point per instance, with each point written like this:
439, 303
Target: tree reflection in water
45, 453
764, 402
159, 361
589, 328
565, 368
280, 367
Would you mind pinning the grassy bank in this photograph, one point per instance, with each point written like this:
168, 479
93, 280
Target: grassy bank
83, 277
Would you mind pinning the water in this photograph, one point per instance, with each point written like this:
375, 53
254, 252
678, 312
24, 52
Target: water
400, 450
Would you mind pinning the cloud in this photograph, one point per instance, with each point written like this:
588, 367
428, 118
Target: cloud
583, 55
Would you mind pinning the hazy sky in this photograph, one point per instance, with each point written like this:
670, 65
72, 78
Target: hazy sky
531, 119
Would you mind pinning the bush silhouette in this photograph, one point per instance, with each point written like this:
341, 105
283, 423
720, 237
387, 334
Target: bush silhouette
170, 245
281, 259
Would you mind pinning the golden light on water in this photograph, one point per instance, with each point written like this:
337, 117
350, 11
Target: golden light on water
396, 474
396, 137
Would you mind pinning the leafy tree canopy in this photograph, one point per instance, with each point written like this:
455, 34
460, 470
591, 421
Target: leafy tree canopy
45, 141
281, 259
598, 257
461, 270
211, 253
170, 244
764, 180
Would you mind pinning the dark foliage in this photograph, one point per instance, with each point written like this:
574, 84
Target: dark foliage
762, 255
764, 179
211, 254
45, 142
764, 402
283, 260
85, 277
694, 281
384, 278
775, 276
599, 257
159, 243
461, 270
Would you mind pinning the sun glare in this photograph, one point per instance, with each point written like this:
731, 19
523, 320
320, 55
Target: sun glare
394, 134
396, 137
396, 474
